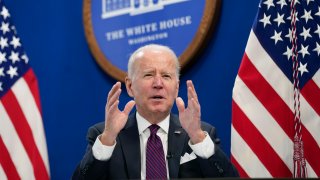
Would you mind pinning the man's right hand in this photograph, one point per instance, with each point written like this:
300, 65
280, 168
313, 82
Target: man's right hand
115, 119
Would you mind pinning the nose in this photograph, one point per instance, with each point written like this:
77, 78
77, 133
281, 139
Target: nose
157, 82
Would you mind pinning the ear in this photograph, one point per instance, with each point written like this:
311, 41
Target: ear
128, 82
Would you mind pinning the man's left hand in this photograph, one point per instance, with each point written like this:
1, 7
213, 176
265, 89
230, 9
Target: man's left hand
190, 116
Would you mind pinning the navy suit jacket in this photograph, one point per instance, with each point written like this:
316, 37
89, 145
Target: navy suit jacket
125, 162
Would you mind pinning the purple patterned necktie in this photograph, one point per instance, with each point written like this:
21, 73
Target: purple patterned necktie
155, 161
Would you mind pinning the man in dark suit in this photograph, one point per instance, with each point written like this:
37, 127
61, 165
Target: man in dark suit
121, 147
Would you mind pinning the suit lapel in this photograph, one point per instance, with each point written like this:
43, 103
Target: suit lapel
130, 143
177, 139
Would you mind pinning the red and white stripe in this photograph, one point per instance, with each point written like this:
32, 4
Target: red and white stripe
23, 146
262, 119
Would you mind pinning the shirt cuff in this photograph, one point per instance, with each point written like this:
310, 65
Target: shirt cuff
204, 149
102, 152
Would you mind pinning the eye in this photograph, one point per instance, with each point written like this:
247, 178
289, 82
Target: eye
147, 75
166, 76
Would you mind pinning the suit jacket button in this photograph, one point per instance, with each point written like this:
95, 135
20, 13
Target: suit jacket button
218, 167
220, 171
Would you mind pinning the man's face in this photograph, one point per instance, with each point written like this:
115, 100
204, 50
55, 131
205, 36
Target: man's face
154, 84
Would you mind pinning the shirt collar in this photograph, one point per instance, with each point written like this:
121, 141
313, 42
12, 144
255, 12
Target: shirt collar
143, 124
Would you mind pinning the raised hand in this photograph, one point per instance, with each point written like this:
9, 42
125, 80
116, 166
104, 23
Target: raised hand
190, 117
115, 119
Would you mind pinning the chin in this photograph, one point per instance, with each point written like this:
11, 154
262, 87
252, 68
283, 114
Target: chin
158, 109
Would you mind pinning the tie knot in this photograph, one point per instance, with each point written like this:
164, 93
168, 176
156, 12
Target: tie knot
153, 129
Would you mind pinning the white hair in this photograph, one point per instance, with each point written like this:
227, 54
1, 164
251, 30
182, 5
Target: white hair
133, 57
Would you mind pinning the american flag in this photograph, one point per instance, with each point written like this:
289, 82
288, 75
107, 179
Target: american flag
276, 97
23, 149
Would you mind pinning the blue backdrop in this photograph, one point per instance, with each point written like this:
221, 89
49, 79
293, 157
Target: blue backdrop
73, 87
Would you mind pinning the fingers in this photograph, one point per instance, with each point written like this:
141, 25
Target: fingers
113, 95
114, 106
113, 100
127, 109
194, 106
114, 89
180, 104
192, 94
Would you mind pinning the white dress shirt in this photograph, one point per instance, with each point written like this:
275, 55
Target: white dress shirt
204, 149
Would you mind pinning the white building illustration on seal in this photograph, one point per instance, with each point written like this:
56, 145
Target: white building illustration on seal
112, 8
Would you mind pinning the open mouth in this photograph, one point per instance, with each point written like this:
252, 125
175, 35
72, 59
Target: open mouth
158, 97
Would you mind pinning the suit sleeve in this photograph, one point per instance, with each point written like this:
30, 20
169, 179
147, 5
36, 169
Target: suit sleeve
89, 167
218, 165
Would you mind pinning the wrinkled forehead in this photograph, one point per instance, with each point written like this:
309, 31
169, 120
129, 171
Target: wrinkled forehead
148, 51
156, 58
